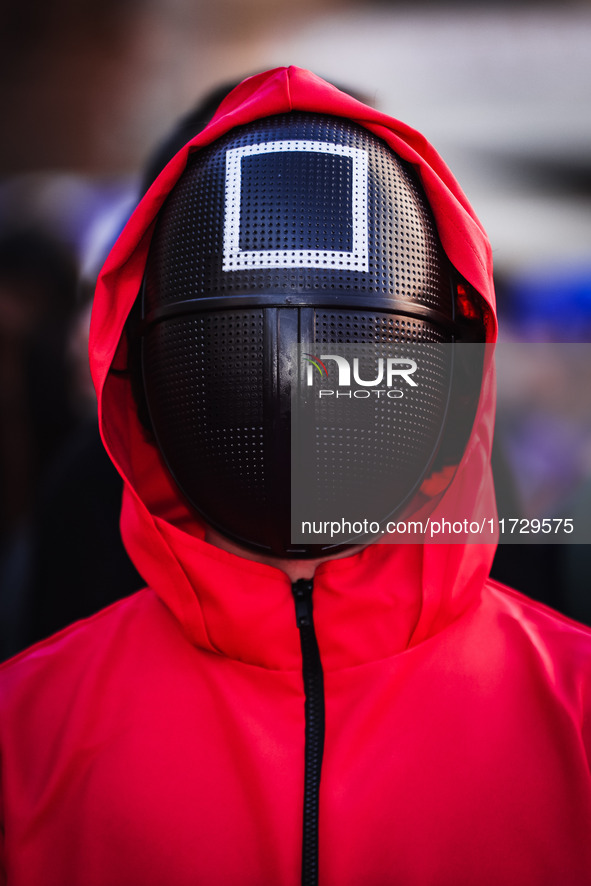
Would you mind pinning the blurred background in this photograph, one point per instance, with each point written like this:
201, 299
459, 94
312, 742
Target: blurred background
89, 88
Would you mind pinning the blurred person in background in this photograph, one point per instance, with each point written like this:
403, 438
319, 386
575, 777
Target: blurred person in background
76, 563
37, 406
37, 298
264, 712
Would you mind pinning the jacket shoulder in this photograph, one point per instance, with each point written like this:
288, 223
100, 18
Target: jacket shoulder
107, 636
526, 608
555, 640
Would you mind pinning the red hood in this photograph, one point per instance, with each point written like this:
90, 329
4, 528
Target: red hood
369, 605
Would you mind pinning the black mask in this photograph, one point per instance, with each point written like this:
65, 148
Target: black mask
294, 228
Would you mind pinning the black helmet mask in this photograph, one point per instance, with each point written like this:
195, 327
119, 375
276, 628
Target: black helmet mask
294, 228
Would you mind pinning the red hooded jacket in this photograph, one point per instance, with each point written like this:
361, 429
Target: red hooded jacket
162, 740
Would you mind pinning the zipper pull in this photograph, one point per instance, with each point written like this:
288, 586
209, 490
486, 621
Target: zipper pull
302, 593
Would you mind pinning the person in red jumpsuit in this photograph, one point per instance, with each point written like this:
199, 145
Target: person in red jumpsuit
275, 712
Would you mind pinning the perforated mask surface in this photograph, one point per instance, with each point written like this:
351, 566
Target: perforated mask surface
236, 278
363, 449
284, 218
204, 375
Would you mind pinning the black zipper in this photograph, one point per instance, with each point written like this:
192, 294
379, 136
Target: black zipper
314, 720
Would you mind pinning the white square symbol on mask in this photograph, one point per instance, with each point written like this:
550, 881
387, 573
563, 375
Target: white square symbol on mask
236, 257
